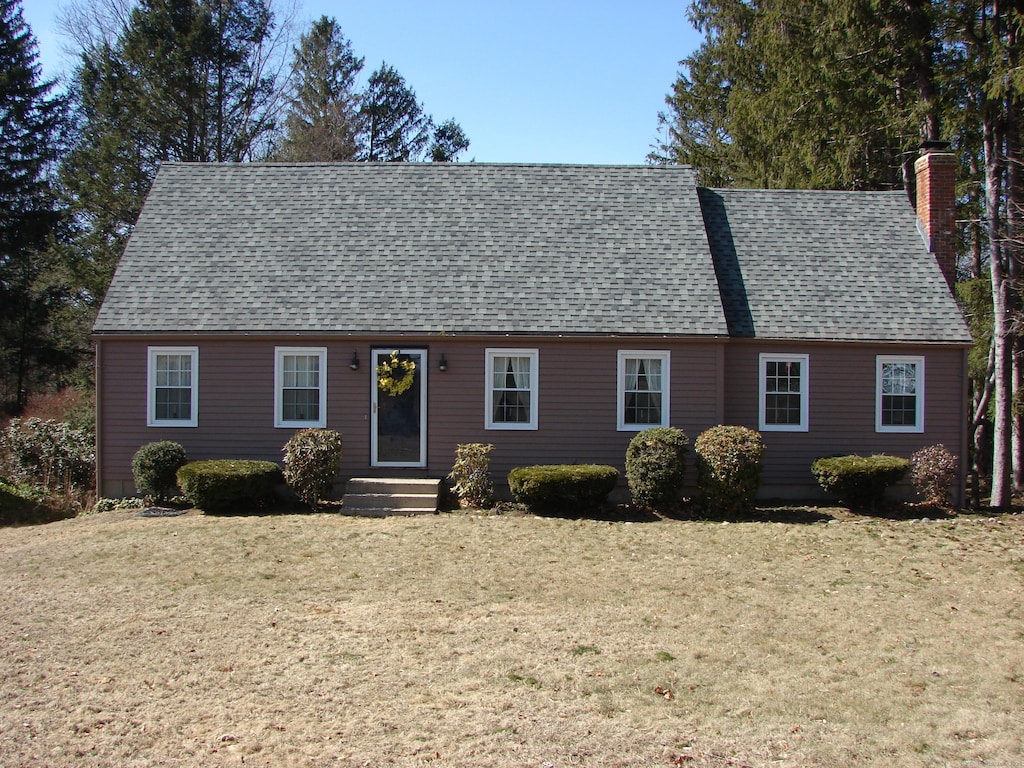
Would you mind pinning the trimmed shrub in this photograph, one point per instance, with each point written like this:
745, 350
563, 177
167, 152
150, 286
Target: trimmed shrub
223, 485
472, 474
155, 468
51, 455
311, 459
655, 466
858, 480
933, 470
563, 488
728, 469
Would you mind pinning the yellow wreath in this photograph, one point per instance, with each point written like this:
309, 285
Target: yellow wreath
395, 375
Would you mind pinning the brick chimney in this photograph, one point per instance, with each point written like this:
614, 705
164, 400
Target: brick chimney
936, 204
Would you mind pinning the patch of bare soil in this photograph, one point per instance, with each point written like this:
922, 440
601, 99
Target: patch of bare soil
310, 640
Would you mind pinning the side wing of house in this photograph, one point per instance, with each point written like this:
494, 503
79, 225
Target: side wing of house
845, 338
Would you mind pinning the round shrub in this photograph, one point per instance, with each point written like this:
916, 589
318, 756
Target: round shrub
655, 466
729, 462
933, 470
858, 480
563, 488
155, 467
311, 459
223, 485
472, 474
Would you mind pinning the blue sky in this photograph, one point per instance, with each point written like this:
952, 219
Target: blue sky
529, 81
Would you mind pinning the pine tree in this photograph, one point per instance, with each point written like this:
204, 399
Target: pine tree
395, 127
322, 123
30, 121
449, 142
792, 93
181, 80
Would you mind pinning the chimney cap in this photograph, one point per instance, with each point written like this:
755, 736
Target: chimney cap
929, 146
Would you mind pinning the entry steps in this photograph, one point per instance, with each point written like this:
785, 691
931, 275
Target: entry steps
391, 496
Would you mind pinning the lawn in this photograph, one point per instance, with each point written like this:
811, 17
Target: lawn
312, 640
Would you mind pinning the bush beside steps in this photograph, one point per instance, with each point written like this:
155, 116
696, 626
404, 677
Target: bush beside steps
227, 485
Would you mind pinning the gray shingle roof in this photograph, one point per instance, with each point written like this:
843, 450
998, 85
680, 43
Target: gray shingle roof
401, 248
813, 264
520, 249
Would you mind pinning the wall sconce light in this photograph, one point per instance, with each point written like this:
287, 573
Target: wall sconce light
442, 364
354, 362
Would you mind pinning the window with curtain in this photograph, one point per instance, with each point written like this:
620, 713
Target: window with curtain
512, 389
173, 387
301, 390
642, 390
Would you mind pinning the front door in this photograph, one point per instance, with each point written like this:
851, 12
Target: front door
399, 430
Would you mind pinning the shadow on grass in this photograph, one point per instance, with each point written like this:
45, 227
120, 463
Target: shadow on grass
629, 513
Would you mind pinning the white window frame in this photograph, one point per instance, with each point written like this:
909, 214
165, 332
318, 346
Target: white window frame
762, 391
279, 355
492, 354
916, 360
152, 354
642, 354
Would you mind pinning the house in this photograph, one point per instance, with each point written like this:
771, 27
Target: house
552, 310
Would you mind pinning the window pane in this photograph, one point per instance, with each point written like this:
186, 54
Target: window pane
782, 399
173, 370
300, 405
643, 408
782, 409
899, 378
899, 410
511, 407
173, 403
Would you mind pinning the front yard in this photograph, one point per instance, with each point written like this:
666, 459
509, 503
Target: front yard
309, 640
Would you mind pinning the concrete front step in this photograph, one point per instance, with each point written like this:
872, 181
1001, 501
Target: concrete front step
376, 495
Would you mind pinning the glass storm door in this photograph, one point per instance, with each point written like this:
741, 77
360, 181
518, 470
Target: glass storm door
399, 419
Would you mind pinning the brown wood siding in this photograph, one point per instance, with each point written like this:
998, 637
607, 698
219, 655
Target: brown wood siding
712, 383
576, 386
842, 407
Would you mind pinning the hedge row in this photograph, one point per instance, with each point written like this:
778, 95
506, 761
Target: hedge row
311, 459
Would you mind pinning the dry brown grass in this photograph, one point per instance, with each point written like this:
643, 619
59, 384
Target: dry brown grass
309, 640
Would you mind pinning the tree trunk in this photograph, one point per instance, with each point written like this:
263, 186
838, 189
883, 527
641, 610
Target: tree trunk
1002, 460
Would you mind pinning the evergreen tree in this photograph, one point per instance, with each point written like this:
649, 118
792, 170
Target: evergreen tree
449, 142
395, 127
322, 123
796, 93
182, 80
30, 121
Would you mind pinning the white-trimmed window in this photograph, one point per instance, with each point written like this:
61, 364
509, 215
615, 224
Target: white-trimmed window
511, 395
173, 387
300, 386
899, 404
643, 389
783, 392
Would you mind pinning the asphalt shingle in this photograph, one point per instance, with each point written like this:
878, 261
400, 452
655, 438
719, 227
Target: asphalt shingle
518, 249
827, 265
